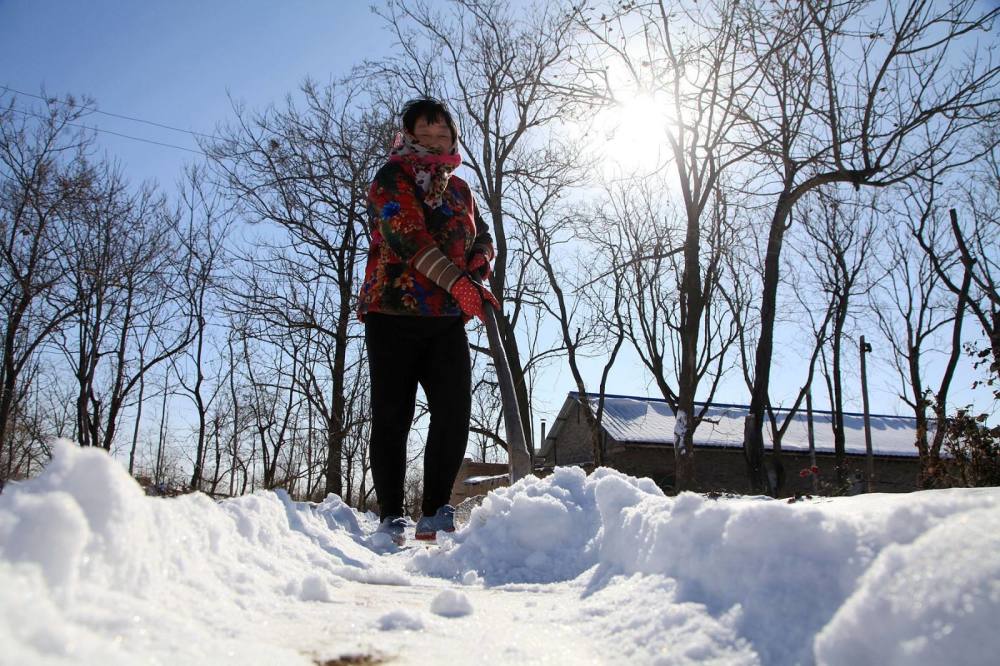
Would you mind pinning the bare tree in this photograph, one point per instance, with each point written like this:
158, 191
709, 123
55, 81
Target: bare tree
272, 400
843, 234
306, 172
820, 317
692, 56
239, 466
44, 172
857, 95
573, 303
973, 239
202, 234
643, 240
914, 310
128, 296
743, 270
36, 415
357, 463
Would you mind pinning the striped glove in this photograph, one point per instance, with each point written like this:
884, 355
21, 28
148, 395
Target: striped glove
435, 264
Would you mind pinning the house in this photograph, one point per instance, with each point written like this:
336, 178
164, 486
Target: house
637, 436
478, 478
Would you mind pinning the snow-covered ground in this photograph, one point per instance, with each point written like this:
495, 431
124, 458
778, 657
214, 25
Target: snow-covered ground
570, 569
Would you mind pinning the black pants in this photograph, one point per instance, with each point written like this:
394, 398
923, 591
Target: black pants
403, 352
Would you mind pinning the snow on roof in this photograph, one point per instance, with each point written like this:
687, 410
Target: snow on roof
478, 480
651, 421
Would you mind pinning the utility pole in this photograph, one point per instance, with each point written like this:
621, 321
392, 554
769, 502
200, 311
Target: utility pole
866, 348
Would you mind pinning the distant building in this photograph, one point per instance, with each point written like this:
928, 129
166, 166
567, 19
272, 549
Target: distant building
637, 436
478, 478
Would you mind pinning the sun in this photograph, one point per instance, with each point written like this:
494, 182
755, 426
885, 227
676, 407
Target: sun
632, 135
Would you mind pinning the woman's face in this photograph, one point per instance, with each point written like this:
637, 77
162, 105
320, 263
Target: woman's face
436, 136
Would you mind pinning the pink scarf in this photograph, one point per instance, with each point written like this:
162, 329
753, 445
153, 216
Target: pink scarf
429, 167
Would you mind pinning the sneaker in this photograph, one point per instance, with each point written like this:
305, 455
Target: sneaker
442, 521
393, 526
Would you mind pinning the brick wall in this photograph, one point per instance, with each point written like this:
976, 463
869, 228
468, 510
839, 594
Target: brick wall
573, 445
461, 491
724, 470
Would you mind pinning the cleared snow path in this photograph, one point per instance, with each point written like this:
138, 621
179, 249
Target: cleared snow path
503, 626
570, 569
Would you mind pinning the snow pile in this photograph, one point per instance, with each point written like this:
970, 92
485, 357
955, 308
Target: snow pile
933, 601
921, 568
88, 563
538, 531
567, 569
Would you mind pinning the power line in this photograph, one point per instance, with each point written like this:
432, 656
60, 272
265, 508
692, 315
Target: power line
106, 131
113, 115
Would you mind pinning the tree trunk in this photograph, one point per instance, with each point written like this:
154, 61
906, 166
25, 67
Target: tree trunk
335, 429
839, 437
217, 474
161, 440
9, 368
513, 356
692, 307
199, 401
995, 343
753, 444
135, 429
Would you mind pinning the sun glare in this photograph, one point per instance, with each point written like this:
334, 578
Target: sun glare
633, 134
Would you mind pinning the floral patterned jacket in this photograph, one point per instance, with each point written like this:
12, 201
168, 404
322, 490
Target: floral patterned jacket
403, 227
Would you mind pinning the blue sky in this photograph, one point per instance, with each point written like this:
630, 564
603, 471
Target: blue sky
177, 62
174, 62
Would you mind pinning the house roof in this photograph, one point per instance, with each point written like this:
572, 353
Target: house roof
651, 421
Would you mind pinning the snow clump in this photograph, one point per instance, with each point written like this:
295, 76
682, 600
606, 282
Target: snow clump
451, 603
400, 620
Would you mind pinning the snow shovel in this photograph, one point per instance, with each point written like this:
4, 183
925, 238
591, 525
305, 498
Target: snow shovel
517, 447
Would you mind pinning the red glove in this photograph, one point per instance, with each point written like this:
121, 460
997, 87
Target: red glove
480, 265
471, 296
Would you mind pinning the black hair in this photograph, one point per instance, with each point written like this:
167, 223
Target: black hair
431, 110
